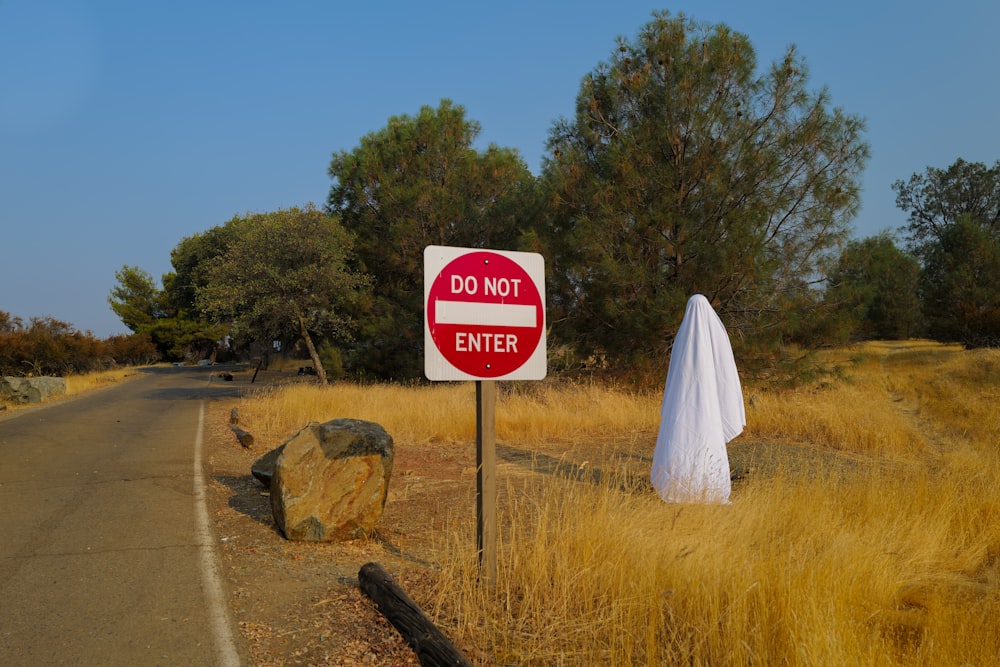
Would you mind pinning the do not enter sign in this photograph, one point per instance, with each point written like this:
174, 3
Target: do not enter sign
484, 314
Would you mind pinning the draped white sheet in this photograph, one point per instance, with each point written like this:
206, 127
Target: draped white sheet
702, 411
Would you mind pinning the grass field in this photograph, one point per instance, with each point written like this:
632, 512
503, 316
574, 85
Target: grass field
864, 527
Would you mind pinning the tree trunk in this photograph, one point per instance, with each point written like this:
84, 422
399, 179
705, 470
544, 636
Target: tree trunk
313, 354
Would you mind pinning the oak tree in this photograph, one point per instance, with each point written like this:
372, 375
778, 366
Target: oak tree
281, 273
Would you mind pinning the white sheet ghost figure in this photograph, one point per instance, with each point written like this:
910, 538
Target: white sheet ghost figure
702, 411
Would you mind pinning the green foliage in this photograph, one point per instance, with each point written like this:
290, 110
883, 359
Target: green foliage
180, 338
190, 261
135, 299
332, 360
414, 183
874, 288
960, 285
163, 316
685, 172
280, 274
954, 226
936, 199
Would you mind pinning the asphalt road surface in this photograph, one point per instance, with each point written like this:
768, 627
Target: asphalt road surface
106, 553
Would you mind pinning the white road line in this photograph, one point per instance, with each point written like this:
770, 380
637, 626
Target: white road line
218, 611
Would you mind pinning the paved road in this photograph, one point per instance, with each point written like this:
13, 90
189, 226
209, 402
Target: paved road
106, 557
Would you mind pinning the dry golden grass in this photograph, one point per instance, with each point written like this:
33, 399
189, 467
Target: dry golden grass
887, 555
445, 411
856, 413
78, 384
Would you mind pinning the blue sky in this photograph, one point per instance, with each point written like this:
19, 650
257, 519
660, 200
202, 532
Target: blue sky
127, 126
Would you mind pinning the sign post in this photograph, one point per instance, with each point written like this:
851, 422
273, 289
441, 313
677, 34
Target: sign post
484, 320
486, 480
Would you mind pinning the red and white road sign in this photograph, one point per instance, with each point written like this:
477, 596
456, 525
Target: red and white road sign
484, 314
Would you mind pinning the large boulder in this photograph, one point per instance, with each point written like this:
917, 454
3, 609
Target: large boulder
331, 481
31, 390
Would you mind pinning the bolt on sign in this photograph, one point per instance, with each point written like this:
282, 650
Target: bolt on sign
484, 314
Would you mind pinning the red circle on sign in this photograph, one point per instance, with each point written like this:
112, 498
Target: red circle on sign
485, 314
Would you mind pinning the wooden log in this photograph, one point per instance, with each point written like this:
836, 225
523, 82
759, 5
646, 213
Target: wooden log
433, 649
242, 436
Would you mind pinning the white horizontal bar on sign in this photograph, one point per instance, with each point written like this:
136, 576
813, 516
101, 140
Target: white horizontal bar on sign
487, 314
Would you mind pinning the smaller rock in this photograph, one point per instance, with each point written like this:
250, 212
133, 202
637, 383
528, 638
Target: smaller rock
263, 468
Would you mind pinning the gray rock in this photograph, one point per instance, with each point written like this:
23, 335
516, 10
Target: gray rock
31, 390
263, 468
331, 481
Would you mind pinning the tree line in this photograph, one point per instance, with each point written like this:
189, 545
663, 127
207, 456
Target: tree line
46, 346
945, 282
684, 169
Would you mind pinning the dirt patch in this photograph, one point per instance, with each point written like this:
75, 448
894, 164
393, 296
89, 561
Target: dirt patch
298, 603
